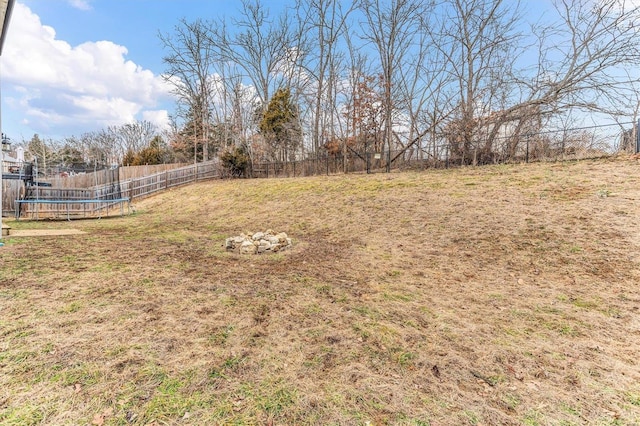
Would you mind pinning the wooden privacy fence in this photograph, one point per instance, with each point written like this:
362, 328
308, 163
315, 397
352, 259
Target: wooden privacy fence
141, 187
101, 177
12, 190
47, 202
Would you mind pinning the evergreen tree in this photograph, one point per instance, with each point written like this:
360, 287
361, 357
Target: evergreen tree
280, 127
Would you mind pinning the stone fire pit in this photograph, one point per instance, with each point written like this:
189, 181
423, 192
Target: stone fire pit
258, 243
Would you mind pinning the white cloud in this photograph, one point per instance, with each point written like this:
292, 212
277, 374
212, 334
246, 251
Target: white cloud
159, 117
56, 85
80, 4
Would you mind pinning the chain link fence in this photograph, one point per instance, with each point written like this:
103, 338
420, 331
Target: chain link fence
554, 145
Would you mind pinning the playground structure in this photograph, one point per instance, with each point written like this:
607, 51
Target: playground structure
23, 171
36, 200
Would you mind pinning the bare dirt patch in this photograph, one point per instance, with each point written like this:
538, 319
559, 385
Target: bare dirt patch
497, 295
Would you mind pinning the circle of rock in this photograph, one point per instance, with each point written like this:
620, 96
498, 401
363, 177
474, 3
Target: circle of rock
258, 243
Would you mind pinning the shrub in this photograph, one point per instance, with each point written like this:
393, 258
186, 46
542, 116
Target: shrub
235, 161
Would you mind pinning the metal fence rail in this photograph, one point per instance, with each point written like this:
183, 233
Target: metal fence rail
77, 208
47, 202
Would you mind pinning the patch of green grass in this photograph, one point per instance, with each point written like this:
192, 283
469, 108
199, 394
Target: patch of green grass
585, 304
269, 396
48, 348
533, 418
567, 330
560, 326
324, 289
612, 312
278, 400
405, 359
471, 417
18, 269
25, 415
229, 364
569, 409
220, 336
399, 297
176, 237
511, 401
82, 374
10, 241
232, 362
13, 294
634, 398
23, 333
366, 311
16, 357
228, 300
313, 309
170, 402
71, 308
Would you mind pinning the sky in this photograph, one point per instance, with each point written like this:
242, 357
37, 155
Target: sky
74, 66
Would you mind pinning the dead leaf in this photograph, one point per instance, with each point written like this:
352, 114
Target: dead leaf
77, 388
98, 420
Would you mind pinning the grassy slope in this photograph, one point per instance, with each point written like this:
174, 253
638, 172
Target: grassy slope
497, 295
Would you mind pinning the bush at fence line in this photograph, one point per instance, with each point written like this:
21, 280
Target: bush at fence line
235, 162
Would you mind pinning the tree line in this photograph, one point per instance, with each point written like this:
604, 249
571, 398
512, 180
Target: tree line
472, 78
130, 144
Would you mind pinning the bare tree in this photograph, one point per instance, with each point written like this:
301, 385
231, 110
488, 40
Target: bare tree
392, 28
258, 46
327, 21
423, 86
190, 59
479, 42
582, 52
131, 138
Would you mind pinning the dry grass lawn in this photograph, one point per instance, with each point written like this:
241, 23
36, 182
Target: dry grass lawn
502, 295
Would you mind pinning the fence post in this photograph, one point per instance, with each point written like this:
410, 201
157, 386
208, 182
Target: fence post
446, 158
527, 156
638, 137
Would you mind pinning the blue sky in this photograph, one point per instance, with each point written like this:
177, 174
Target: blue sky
72, 66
